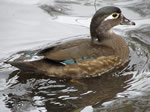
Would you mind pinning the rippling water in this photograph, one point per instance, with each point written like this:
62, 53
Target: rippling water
31, 25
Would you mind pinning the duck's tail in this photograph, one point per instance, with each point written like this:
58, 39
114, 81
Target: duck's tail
38, 66
24, 66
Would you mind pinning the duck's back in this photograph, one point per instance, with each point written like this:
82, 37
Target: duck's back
77, 49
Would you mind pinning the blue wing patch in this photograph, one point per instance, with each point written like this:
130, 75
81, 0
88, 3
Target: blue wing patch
73, 61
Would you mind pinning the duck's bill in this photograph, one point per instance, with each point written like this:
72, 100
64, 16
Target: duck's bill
125, 21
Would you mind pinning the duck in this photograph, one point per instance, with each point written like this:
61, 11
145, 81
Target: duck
90, 57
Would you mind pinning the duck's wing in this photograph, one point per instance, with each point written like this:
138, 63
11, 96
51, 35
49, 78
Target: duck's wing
77, 50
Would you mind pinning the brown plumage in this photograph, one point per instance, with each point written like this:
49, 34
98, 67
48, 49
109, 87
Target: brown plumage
104, 51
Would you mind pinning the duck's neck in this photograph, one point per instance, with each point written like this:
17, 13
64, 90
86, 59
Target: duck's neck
101, 35
100, 31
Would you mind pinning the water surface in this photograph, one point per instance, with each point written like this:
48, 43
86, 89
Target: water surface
31, 25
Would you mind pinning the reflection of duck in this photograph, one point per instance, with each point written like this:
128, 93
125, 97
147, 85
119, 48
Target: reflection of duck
71, 96
85, 57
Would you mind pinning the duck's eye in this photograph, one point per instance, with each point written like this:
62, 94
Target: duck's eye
112, 16
115, 15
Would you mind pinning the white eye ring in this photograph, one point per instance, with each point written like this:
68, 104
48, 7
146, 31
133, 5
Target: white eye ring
112, 16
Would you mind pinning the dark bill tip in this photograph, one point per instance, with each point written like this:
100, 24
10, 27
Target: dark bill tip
133, 23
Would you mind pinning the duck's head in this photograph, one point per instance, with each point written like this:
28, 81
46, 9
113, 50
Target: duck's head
106, 18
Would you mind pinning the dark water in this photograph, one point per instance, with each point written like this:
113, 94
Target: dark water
31, 25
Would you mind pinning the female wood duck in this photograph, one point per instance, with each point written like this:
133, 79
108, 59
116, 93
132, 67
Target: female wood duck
86, 57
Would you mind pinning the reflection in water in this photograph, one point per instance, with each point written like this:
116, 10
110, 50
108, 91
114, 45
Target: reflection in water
34, 90
125, 90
